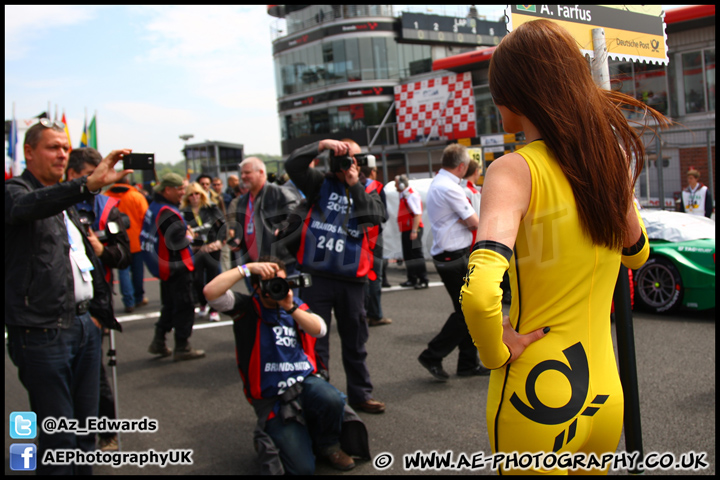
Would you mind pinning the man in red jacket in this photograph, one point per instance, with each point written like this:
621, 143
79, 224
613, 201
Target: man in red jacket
133, 204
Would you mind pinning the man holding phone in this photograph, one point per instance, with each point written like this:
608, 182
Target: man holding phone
53, 284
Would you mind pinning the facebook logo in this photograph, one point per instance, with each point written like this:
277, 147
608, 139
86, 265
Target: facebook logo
23, 425
23, 456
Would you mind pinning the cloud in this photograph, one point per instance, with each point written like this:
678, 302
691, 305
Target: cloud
179, 33
26, 26
217, 46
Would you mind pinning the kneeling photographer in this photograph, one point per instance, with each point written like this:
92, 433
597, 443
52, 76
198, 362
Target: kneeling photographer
299, 414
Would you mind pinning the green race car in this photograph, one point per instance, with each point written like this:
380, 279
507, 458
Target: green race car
681, 267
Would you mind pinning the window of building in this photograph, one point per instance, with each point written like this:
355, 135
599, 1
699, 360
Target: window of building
310, 67
651, 86
333, 120
693, 82
645, 82
380, 58
486, 113
366, 58
352, 60
710, 77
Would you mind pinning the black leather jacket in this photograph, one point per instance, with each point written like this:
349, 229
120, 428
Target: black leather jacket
271, 208
39, 286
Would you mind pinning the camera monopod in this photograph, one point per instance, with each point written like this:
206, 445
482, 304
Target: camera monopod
112, 362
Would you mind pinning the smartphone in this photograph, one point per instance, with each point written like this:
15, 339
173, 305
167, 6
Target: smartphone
139, 161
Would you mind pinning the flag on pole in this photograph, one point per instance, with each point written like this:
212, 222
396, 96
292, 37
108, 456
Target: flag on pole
84, 137
12, 150
67, 132
92, 133
12, 140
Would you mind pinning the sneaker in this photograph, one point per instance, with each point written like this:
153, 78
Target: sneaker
203, 311
340, 461
214, 317
422, 284
374, 322
187, 353
436, 370
108, 444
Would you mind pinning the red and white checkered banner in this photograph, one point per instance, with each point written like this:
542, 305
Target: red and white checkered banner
442, 108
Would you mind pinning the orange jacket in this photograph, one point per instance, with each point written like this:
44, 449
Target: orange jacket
133, 204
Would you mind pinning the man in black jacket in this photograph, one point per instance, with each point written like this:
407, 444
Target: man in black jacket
165, 240
260, 213
334, 248
53, 284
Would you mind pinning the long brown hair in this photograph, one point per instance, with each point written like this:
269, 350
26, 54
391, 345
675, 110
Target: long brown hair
538, 71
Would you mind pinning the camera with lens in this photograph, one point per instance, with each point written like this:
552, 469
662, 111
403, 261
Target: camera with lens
202, 232
87, 219
341, 163
277, 288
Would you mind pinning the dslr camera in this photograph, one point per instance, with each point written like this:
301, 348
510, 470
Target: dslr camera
277, 288
87, 219
342, 163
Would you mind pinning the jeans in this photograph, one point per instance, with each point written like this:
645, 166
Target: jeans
323, 406
131, 281
60, 369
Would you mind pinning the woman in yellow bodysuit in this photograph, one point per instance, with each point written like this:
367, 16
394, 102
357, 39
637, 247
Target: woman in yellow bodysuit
558, 214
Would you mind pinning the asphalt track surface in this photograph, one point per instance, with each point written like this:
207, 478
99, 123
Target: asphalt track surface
199, 405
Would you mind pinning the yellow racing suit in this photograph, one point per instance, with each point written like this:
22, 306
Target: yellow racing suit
563, 394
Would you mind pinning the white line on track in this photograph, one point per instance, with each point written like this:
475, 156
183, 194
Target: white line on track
200, 326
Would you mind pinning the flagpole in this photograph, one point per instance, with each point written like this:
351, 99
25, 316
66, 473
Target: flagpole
13, 136
625, 334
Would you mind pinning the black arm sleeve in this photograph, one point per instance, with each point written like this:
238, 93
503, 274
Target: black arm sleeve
23, 204
369, 207
297, 166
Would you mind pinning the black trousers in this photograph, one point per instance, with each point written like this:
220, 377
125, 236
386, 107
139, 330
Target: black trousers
178, 310
347, 301
455, 332
414, 257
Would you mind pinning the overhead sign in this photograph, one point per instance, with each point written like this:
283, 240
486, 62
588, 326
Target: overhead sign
440, 108
632, 32
420, 27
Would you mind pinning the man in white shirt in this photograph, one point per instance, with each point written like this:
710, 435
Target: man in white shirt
411, 232
452, 219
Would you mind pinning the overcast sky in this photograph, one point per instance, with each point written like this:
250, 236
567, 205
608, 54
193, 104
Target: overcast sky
151, 73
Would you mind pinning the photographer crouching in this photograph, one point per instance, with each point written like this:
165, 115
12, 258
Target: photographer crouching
299, 413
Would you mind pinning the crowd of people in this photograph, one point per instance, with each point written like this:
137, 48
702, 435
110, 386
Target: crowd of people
200, 241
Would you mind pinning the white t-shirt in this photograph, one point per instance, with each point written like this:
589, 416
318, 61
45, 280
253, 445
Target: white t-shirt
81, 265
446, 204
